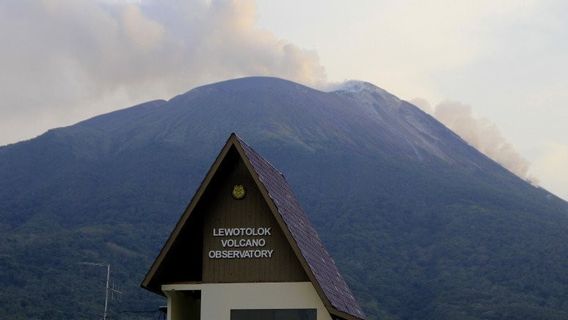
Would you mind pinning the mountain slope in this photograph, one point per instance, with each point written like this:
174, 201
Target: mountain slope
422, 225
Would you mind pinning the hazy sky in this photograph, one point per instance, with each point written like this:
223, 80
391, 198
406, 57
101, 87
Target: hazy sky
495, 71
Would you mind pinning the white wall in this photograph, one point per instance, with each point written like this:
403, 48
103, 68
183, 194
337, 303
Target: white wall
218, 299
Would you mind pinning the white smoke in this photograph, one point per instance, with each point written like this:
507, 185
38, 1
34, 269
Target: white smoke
64, 60
479, 133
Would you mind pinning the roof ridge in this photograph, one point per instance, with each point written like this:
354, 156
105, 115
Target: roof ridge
261, 157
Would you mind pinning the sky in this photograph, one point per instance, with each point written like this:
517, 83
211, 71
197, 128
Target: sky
493, 71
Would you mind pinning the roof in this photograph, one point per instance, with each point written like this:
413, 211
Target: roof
305, 242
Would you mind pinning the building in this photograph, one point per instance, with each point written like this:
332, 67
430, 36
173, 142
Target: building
244, 250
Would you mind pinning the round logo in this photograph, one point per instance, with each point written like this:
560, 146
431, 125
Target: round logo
239, 191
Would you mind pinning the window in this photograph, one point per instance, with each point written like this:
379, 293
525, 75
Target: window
274, 314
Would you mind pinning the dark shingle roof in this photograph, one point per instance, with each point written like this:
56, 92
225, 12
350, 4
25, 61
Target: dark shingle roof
316, 256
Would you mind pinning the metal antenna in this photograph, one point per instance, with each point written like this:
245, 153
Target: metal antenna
115, 292
108, 289
106, 293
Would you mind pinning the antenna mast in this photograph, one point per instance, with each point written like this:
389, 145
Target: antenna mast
108, 289
106, 293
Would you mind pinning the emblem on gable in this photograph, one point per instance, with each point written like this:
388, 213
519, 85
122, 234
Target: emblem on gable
239, 192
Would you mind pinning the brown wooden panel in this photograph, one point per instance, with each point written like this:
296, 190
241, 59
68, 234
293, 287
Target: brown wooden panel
220, 210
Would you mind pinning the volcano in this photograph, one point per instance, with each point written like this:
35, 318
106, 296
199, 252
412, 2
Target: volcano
420, 223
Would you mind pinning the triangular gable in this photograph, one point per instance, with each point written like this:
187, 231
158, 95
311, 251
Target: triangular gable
302, 237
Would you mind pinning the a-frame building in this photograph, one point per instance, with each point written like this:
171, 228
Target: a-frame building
245, 250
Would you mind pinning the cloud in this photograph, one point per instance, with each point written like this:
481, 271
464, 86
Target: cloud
479, 133
65, 60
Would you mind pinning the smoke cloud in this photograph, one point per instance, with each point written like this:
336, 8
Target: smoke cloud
65, 60
479, 133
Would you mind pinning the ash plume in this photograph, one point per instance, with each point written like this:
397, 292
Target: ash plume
65, 60
479, 133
